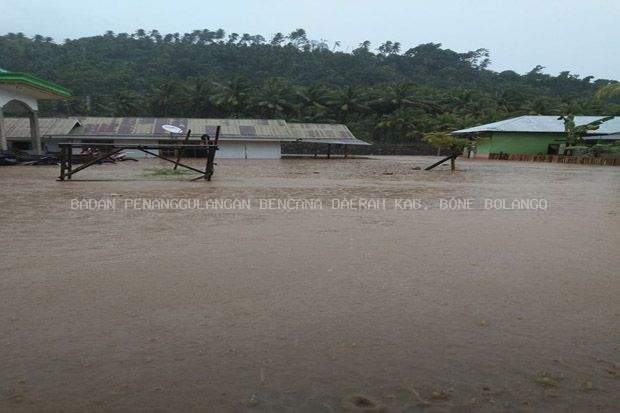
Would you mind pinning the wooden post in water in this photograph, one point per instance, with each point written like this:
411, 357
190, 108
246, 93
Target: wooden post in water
35, 135
69, 158
3, 143
63, 164
189, 131
211, 148
452, 159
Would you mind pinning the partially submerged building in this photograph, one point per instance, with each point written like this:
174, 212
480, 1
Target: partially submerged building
239, 138
534, 135
19, 94
17, 131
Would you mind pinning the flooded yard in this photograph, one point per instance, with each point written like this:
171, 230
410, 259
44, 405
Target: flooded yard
494, 287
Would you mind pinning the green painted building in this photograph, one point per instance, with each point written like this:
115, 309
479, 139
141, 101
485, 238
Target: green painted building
20, 93
532, 135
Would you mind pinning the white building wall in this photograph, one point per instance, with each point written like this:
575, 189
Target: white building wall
248, 150
135, 153
231, 150
263, 150
227, 149
7, 95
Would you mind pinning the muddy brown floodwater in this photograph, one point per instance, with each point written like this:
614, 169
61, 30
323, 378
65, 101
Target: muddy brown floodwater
311, 310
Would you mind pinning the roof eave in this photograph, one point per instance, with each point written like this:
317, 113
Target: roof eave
36, 83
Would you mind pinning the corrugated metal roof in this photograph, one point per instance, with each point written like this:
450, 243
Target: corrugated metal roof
20, 127
323, 133
540, 123
259, 129
231, 129
609, 137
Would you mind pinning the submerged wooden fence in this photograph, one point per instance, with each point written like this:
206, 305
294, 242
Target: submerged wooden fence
581, 160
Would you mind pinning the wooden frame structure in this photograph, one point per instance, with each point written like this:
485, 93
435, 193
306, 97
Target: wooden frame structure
66, 151
452, 157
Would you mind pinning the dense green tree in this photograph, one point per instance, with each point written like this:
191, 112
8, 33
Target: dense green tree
387, 96
274, 98
348, 101
311, 104
233, 97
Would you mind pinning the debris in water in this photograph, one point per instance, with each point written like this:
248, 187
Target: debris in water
361, 403
253, 401
439, 395
545, 380
421, 401
16, 398
163, 171
17, 157
473, 401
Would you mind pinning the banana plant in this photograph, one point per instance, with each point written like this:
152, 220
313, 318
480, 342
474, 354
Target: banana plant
575, 133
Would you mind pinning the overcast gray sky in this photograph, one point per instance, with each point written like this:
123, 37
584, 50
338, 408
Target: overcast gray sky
582, 36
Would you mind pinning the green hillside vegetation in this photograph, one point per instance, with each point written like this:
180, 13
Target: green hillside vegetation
385, 94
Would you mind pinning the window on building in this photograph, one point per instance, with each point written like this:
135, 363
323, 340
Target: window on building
21, 145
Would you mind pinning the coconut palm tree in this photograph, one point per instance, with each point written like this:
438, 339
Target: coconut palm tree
219, 35
311, 102
232, 97
608, 92
140, 34
200, 96
277, 39
400, 125
401, 95
245, 40
274, 98
155, 36
233, 38
167, 98
298, 38
347, 101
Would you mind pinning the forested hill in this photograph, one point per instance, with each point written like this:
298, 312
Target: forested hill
385, 94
